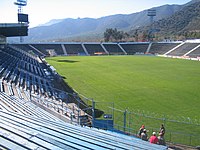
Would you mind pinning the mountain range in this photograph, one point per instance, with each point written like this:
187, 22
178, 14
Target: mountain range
92, 29
185, 20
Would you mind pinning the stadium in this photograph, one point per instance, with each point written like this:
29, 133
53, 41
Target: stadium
96, 95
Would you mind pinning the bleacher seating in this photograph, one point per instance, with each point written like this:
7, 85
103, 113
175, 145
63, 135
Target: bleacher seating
195, 53
94, 49
113, 49
23, 75
180, 51
74, 49
29, 132
162, 48
22, 106
22, 70
130, 48
46, 48
29, 49
133, 48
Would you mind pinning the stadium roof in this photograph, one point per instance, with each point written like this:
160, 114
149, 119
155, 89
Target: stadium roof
13, 29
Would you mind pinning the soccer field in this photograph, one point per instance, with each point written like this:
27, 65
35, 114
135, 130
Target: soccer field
160, 85
164, 90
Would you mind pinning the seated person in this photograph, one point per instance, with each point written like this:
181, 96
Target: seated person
153, 139
144, 135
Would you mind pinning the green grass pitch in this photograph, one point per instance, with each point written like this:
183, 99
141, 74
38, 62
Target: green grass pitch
164, 86
154, 84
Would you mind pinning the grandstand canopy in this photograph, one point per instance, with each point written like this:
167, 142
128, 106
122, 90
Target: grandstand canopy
13, 29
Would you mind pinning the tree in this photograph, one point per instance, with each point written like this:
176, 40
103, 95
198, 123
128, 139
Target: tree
114, 35
107, 34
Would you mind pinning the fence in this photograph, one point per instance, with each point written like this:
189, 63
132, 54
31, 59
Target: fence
179, 129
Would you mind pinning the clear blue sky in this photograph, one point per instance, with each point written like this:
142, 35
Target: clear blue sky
42, 11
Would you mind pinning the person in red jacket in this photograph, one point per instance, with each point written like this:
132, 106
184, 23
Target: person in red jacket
153, 139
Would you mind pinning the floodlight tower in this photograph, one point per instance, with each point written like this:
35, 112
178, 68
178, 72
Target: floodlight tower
151, 13
20, 4
22, 18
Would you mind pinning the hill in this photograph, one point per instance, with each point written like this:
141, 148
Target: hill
187, 19
72, 29
184, 23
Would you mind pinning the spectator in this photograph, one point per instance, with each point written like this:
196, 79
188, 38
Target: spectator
153, 139
140, 131
162, 130
161, 139
144, 135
